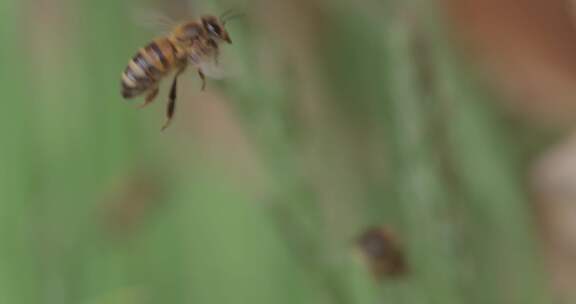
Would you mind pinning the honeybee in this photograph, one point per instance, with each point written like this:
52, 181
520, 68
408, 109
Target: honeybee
190, 43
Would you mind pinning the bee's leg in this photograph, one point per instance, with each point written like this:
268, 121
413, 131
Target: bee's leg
203, 78
149, 97
216, 55
214, 46
171, 107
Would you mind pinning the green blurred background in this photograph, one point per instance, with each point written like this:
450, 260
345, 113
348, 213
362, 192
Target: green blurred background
336, 116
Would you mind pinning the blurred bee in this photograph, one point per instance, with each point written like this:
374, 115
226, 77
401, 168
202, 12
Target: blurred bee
382, 252
191, 43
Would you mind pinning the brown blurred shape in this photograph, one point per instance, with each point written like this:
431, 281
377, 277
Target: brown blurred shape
528, 48
554, 182
382, 252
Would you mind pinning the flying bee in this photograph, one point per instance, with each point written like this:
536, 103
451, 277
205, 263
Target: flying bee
190, 43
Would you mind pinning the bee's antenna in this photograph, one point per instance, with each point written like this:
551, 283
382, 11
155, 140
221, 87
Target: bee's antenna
227, 12
229, 15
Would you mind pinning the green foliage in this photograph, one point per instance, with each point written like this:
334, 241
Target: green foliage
400, 135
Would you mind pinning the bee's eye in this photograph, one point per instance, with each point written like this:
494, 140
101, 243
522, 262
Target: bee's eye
213, 29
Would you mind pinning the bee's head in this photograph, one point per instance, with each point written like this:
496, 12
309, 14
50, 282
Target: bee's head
214, 26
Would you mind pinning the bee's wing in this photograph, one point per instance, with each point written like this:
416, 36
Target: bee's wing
153, 20
225, 66
212, 69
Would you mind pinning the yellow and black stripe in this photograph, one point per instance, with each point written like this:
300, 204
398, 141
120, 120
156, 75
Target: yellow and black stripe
148, 66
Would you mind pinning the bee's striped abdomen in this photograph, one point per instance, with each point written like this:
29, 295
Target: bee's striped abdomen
147, 67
